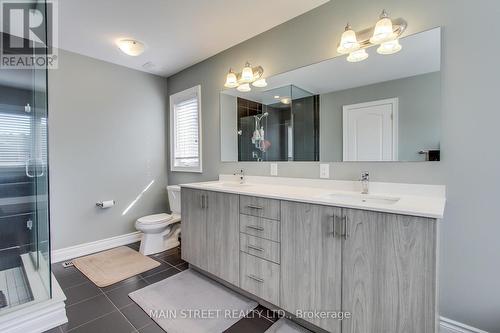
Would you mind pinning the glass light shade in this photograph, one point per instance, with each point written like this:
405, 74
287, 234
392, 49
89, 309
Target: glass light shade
261, 83
247, 74
231, 80
389, 47
348, 42
131, 47
357, 56
245, 87
383, 31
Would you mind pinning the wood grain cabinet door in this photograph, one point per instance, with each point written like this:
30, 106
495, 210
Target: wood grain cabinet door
194, 227
388, 273
223, 236
311, 261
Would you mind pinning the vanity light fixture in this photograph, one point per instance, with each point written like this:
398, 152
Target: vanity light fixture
231, 80
348, 41
383, 31
245, 87
131, 47
386, 33
357, 56
276, 97
389, 47
249, 75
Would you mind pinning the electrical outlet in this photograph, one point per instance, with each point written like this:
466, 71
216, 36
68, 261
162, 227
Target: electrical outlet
274, 169
324, 170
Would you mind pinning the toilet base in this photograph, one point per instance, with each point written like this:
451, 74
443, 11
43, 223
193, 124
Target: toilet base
156, 243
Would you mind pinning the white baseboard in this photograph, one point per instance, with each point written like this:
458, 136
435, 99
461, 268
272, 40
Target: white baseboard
37, 317
451, 326
92, 247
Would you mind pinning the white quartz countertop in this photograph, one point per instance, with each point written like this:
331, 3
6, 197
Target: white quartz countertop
406, 199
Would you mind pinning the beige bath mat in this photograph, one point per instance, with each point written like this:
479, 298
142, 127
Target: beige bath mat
189, 302
108, 267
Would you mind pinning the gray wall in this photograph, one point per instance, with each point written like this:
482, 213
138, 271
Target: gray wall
419, 114
469, 245
106, 141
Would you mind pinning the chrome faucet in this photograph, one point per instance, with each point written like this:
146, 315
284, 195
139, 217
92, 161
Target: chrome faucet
241, 173
365, 182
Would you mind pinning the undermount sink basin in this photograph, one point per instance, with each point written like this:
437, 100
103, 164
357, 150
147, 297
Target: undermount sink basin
363, 198
230, 184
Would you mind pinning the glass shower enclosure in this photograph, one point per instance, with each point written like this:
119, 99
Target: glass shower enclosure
25, 276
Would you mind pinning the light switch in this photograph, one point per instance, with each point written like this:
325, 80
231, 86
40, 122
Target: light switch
324, 170
274, 169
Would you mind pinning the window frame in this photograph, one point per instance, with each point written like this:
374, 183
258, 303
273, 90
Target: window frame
175, 99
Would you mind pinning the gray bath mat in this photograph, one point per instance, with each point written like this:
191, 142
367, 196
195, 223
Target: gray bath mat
286, 326
189, 302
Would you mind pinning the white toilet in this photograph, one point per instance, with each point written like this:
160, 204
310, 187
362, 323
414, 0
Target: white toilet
160, 232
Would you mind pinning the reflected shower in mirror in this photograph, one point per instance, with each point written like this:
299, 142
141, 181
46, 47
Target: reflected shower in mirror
386, 108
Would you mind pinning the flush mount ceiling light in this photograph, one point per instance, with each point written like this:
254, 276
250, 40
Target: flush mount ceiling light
386, 33
131, 47
248, 75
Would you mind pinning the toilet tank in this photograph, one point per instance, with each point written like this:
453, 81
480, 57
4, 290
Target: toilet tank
174, 198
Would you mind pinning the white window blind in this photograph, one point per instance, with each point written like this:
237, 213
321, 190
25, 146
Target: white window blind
185, 131
16, 139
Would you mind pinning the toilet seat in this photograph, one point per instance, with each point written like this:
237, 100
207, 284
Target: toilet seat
154, 219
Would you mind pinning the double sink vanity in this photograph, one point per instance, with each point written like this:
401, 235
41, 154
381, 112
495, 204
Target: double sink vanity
319, 249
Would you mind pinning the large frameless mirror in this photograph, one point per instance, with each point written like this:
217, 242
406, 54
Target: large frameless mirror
385, 108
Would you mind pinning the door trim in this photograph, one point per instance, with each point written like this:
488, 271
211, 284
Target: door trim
395, 123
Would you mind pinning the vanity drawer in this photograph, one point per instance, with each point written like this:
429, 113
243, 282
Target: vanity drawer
260, 227
260, 277
261, 207
260, 247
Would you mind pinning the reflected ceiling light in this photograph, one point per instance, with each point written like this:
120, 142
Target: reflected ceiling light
285, 100
261, 83
276, 97
357, 56
389, 47
245, 87
348, 41
131, 47
383, 31
247, 74
231, 80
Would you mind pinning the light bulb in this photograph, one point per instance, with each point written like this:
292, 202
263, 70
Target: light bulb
247, 74
383, 30
131, 47
357, 56
245, 87
261, 83
348, 41
389, 47
231, 80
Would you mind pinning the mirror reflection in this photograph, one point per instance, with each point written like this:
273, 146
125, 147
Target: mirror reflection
385, 108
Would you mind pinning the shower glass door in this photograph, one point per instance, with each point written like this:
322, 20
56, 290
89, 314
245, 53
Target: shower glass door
24, 223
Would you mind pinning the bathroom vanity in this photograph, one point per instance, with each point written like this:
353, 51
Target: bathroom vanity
315, 247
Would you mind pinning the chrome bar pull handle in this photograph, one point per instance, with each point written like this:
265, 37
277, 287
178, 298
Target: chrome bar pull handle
253, 277
254, 227
256, 248
255, 207
346, 228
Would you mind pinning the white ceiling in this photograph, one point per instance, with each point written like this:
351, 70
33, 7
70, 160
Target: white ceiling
177, 33
421, 54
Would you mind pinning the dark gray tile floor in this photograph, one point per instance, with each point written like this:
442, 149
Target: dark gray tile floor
91, 309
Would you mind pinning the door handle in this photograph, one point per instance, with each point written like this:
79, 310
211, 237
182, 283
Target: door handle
255, 227
256, 248
202, 201
253, 277
255, 207
345, 232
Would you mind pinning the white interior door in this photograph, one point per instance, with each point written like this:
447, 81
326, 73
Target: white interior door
371, 131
